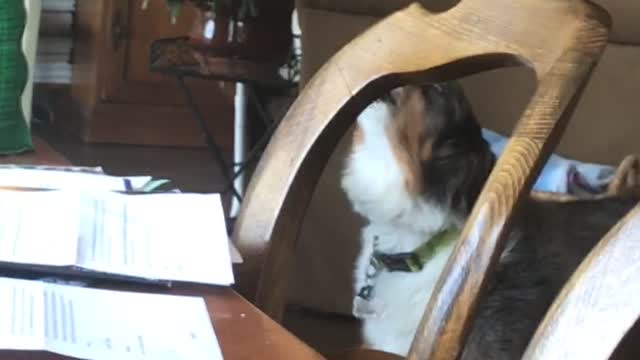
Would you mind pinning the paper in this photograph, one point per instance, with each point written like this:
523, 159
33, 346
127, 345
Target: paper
103, 324
54, 179
86, 169
39, 227
178, 237
21, 314
164, 236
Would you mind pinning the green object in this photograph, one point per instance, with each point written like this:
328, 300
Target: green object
14, 131
407, 262
414, 261
153, 185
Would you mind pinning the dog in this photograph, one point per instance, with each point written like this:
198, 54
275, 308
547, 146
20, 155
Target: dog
417, 165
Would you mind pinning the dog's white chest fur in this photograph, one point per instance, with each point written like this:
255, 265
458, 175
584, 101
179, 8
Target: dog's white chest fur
398, 222
399, 297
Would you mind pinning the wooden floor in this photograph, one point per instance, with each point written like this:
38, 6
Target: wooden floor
191, 169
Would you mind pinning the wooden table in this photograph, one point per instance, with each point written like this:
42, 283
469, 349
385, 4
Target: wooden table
243, 331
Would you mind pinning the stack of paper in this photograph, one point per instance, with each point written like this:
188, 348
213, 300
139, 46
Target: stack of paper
78, 179
103, 324
161, 236
90, 223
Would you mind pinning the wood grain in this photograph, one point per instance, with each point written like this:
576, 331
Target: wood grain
560, 40
245, 333
364, 354
600, 302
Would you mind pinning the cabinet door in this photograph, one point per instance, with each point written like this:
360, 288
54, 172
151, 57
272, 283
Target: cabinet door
130, 104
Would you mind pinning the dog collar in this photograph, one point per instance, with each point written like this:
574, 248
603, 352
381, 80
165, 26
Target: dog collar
364, 303
408, 262
414, 261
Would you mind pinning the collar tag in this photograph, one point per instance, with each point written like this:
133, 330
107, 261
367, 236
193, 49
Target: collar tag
365, 305
366, 309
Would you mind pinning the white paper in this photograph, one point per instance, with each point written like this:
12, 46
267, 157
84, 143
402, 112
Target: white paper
39, 227
88, 169
165, 236
103, 324
52, 179
179, 237
21, 314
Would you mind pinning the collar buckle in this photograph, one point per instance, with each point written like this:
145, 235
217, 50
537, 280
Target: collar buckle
406, 262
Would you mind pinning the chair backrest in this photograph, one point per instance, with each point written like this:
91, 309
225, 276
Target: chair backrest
561, 40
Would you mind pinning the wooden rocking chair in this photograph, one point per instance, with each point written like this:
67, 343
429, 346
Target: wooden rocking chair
561, 40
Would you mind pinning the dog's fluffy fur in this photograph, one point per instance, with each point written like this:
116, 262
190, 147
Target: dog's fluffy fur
417, 166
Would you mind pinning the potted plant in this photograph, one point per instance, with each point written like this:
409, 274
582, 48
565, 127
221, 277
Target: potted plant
258, 30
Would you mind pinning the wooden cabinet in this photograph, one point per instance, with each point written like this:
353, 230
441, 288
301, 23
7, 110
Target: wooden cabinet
115, 97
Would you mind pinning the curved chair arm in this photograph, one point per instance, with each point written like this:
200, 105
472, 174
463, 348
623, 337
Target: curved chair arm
600, 302
560, 39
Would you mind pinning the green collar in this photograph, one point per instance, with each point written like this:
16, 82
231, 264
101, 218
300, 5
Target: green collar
414, 261
408, 262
